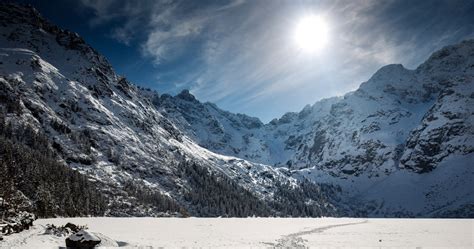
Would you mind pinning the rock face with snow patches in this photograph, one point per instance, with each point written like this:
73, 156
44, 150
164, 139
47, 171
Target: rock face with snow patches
401, 143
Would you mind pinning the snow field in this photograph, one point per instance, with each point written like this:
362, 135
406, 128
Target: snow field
262, 232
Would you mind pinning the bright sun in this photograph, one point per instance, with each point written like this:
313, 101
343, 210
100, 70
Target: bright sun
311, 33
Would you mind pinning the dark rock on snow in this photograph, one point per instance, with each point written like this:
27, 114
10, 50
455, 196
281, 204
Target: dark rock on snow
82, 239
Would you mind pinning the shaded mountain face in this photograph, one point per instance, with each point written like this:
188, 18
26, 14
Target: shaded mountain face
401, 144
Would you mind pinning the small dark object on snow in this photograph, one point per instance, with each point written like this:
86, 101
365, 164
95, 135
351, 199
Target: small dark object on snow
380, 240
1, 238
82, 239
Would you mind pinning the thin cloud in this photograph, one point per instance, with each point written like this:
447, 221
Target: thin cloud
240, 53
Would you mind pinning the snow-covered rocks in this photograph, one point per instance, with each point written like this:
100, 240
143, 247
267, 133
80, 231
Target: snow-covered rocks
14, 220
77, 236
62, 231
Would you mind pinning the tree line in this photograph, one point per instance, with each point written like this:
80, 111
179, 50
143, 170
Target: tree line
29, 167
213, 194
210, 194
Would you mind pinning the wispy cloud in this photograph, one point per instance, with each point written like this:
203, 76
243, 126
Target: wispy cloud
240, 54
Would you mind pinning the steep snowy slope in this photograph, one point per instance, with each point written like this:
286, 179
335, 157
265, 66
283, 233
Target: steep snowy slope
220, 131
102, 125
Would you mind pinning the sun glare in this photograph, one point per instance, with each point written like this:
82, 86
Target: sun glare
311, 33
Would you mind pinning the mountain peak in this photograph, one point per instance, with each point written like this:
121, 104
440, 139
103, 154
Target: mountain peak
25, 24
21, 14
186, 95
455, 58
388, 71
446, 51
388, 77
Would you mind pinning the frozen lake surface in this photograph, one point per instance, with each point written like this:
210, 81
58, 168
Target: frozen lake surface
260, 232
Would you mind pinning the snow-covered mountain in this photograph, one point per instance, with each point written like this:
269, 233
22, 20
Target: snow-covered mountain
405, 138
402, 143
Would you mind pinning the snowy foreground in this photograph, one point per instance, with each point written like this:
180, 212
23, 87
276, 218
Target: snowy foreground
259, 232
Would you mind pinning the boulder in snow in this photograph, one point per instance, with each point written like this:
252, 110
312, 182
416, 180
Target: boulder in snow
82, 239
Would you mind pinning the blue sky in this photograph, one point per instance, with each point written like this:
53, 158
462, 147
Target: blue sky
240, 54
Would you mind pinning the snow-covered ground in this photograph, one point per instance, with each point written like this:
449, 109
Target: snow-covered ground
260, 232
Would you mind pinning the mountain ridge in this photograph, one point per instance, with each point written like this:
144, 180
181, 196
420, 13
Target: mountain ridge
380, 129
